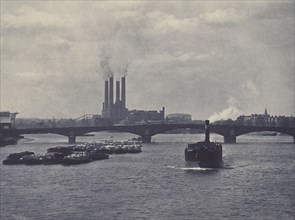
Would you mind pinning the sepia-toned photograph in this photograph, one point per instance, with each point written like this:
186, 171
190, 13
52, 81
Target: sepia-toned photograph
161, 110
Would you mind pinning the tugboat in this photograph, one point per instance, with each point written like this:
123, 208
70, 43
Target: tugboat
205, 153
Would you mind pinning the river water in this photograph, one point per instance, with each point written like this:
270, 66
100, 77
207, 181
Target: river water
257, 182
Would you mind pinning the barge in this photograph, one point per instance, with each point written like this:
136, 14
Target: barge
76, 154
17, 158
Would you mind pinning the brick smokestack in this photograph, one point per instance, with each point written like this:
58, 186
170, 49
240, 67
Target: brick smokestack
118, 91
111, 99
123, 91
106, 95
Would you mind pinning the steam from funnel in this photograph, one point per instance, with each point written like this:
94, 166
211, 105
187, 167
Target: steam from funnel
231, 112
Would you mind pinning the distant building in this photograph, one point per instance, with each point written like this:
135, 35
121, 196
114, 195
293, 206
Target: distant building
7, 120
179, 118
141, 116
265, 120
7, 123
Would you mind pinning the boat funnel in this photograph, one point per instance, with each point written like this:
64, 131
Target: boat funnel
207, 131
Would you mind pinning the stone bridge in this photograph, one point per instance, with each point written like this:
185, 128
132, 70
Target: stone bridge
146, 131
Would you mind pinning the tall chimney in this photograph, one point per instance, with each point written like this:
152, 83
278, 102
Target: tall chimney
123, 92
106, 95
111, 100
118, 91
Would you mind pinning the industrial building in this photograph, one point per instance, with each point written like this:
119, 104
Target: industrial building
117, 111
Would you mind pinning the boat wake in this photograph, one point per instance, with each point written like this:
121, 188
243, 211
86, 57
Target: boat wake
190, 168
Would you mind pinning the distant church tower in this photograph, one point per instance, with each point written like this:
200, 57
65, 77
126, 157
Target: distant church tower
265, 112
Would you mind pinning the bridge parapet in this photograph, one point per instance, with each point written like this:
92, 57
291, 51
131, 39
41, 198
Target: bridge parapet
146, 131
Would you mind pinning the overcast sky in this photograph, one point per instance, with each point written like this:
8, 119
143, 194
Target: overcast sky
209, 59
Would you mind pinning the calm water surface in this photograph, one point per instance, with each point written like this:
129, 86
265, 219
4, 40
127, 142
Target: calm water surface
257, 182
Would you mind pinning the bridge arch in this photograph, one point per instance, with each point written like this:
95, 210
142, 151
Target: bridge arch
268, 134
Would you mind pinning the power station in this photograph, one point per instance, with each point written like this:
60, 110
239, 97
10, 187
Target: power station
117, 112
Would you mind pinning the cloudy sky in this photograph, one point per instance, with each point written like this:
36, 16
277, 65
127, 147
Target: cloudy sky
209, 59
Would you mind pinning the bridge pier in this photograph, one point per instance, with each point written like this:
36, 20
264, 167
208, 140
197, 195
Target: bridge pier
146, 138
230, 139
72, 139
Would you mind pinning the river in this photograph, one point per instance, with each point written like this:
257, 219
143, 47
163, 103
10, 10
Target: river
257, 182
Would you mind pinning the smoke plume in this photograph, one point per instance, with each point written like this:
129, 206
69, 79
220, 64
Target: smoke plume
117, 51
125, 69
105, 65
112, 64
